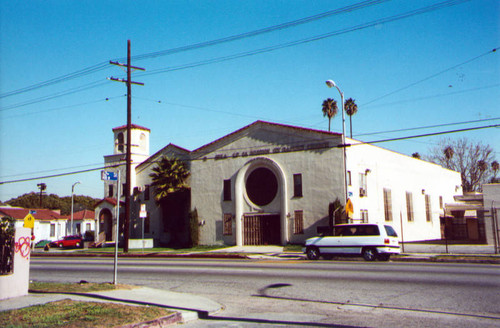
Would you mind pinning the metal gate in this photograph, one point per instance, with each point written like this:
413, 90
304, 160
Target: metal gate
262, 229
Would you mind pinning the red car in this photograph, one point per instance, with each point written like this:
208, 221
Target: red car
68, 241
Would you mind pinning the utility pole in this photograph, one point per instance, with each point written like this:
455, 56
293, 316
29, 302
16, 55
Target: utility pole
128, 173
42, 187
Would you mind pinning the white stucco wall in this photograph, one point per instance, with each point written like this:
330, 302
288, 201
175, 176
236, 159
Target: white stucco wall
17, 283
321, 180
401, 174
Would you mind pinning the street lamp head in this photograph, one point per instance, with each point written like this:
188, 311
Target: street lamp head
330, 83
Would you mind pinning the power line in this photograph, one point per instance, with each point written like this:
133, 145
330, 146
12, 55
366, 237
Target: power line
430, 126
104, 65
88, 86
66, 77
425, 135
282, 26
347, 145
431, 76
308, 40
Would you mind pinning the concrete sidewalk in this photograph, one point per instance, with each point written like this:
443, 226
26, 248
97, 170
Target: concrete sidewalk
189, 306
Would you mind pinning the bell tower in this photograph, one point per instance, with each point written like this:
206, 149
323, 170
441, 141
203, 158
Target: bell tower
139, 153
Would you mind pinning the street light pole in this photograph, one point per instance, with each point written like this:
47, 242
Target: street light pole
331, 84
72, 197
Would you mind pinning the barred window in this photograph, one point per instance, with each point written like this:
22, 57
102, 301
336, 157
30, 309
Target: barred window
428, 208
387, 204
409, 206
228, 224
364, 216
298, 227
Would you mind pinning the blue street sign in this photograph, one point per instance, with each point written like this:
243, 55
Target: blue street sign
108, 175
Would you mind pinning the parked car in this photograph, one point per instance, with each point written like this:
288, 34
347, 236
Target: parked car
371, 241
68, 241
42, 243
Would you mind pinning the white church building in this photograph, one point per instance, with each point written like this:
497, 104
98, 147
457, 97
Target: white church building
269, 183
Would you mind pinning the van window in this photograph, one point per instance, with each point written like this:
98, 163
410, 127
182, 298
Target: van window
367, 230
390, 231
357, 230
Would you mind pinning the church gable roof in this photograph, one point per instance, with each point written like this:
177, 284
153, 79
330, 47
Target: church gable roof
169, 150
268, 133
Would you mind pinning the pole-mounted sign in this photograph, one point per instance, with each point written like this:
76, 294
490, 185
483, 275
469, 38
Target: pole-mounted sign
109, 176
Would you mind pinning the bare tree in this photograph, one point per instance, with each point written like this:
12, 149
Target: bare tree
469, 158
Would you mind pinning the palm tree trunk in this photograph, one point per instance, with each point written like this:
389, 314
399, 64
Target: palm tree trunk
350, 124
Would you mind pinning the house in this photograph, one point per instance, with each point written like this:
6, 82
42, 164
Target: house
83, 221
473, 217
49, 224
269, 183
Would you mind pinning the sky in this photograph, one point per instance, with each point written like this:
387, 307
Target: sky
409, 65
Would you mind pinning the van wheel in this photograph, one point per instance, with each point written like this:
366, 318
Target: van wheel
369, 254
384, 257
312, 253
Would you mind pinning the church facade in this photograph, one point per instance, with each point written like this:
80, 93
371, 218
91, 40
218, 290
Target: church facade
269, 183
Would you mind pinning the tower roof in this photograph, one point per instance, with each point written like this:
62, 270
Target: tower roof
134, 126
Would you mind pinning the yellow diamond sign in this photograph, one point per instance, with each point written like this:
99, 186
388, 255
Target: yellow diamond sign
349, 208
29, 221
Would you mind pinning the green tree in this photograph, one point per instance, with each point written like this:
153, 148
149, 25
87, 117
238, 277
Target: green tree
54, 202
350, 108
168, 177
329, 109
467, 157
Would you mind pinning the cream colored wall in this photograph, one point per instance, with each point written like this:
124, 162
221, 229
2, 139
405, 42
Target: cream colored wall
321, 179
401, 173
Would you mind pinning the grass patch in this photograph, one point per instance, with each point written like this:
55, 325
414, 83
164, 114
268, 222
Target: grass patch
86, 287
69, 313
292, 248
111, 249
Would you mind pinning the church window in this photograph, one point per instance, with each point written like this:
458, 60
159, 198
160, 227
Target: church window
227, 189
297, 185
120, 142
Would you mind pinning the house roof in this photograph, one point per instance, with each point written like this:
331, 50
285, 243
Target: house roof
134, 126
264, 123
82, 215
109, 200
40, 214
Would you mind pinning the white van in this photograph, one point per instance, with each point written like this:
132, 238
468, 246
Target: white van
372, 241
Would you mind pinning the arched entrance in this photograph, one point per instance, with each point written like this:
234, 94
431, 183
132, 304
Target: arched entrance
261, 203
105, 225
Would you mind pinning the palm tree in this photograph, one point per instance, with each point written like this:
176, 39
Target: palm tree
330, 109
350, 108
168, 177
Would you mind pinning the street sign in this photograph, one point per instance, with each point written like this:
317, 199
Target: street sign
349, 208
29, 221
108, 175
143, 213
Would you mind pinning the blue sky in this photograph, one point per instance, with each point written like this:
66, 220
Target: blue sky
428, 69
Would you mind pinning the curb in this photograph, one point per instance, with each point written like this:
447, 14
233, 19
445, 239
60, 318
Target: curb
159, 322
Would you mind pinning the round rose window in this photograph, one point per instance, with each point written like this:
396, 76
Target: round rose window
262, 186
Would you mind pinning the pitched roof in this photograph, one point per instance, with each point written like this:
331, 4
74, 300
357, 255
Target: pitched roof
40, 214
109, 200
133, 126
82, 215
152, 157
264, 123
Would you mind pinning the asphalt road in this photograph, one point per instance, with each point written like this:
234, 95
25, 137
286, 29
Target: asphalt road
304, 293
